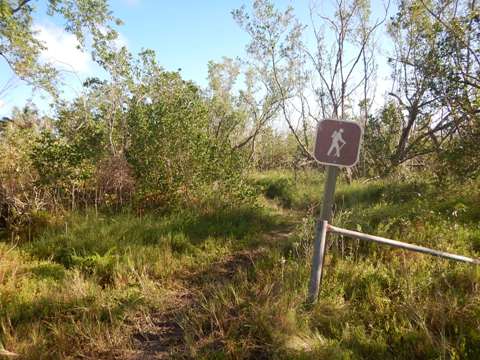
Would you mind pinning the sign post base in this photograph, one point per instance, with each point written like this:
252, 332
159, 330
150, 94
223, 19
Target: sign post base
320, 235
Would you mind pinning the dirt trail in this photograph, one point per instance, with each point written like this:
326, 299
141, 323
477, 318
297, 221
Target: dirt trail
161, 336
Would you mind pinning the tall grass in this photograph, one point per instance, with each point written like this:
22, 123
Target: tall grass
84, 287
375, 302
78, 287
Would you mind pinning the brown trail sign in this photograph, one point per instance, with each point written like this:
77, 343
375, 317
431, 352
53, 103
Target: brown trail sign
338, 143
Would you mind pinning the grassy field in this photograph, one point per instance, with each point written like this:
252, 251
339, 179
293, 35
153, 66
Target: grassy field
232, 283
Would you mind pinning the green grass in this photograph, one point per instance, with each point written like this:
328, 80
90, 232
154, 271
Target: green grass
299, 192
375, 302
85, 286
75, 287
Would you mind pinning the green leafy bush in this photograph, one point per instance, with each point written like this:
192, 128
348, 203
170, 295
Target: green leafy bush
278, 187
171, 151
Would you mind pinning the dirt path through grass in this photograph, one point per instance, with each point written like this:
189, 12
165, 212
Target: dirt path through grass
232, 283
160, 335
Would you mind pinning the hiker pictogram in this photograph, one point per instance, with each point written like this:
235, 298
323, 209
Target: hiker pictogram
337, 143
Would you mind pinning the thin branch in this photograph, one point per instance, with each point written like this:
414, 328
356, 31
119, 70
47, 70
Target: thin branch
21, 4
452, 31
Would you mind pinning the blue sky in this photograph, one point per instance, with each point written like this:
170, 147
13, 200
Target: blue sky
184, 34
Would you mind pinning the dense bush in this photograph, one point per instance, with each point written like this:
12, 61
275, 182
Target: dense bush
20, 197
279, 188
171, 151
157, 151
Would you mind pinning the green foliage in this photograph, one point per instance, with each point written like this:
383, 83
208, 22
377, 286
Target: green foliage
275, 150
19, 197
460, 159
279, 188
60, 163
248, 272
375, 302
171, 150
21, 49
76, 286
144, 135
299, 192
380, 140
235, 272
228, 118
438, 71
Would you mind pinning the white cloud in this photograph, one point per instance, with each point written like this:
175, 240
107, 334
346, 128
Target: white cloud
2, 104
62, 49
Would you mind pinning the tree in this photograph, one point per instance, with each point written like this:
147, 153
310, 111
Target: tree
380, 140
239, 117
312, 81
19, 194
171, 149
275, 54
436, 68
65, 161
455, 81
20, 48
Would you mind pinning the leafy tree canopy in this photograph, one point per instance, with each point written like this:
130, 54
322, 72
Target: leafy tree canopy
88, 20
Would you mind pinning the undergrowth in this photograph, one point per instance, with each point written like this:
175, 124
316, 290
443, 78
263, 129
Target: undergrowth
80, 287
375, 302
76, 289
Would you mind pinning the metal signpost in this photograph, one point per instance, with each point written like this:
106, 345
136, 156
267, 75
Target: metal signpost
338, 145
